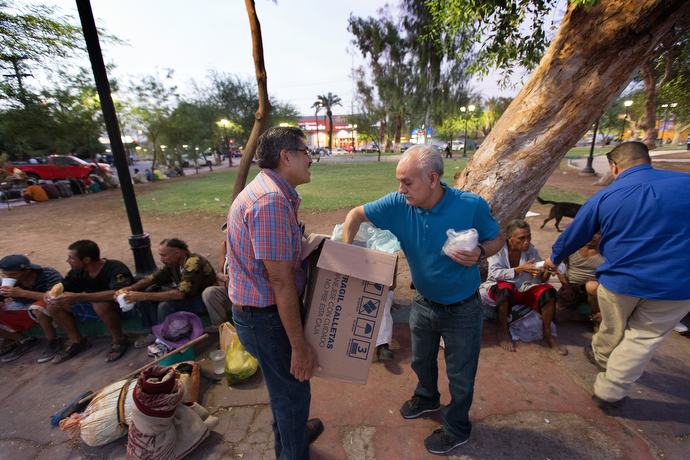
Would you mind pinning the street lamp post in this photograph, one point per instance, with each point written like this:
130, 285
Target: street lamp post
627, 104
588, 170
665, 118
469, 109
316, 115
352, 134
224, 124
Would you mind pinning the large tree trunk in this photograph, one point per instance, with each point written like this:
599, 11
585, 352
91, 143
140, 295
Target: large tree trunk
593, 57
261, 116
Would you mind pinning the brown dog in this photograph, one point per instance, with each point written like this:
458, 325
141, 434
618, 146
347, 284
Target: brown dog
560, 210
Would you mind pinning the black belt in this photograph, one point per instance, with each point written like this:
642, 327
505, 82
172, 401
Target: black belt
246, 308
474, 296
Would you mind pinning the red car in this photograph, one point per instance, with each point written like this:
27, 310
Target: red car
58, 167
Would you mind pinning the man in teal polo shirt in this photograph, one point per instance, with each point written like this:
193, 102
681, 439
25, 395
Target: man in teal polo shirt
446, 304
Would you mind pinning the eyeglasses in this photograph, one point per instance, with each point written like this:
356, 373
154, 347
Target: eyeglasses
306, 151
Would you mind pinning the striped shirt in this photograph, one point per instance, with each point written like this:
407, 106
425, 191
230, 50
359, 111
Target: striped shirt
263, 225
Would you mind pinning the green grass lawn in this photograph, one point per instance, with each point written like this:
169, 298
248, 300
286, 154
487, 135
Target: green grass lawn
332, 186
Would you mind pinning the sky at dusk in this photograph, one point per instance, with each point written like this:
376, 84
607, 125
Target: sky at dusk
308, 50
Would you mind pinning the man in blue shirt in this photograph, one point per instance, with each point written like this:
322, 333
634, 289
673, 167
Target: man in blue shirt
643, 284
446, 303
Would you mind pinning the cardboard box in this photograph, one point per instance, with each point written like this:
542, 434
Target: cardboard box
346, 294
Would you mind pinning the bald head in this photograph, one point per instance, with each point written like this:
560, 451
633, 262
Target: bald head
629, 154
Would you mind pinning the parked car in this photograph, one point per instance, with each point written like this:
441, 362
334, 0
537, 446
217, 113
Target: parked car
58, 167
338, 151
370, 148
323, 152
203, 160
348, 149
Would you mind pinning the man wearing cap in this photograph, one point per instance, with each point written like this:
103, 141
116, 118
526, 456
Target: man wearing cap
88, 296
22, 306
189, 273
266, 281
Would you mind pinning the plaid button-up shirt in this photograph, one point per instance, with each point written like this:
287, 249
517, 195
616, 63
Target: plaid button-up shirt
263, 225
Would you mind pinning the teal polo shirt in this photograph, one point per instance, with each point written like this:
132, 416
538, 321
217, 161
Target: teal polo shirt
422, 234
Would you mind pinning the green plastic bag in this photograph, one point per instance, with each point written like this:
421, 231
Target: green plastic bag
239, 364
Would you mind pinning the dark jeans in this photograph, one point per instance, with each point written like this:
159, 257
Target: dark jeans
461, 329
154, 313
264, 337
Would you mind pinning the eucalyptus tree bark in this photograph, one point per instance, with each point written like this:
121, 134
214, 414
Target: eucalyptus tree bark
593, 57
261, 116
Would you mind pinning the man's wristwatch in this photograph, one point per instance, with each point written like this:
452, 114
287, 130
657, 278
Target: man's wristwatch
483, 254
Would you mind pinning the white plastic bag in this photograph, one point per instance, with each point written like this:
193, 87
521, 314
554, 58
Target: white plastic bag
530, 328
465, 240
370, 237
561, 269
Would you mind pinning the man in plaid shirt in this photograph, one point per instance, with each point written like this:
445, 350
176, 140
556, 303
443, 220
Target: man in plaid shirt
266, 280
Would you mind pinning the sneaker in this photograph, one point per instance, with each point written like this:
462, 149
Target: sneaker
416, 407
681, 328
22, 347
144, 341
53, 348
383, 353
611, 408
314, 429
441, 443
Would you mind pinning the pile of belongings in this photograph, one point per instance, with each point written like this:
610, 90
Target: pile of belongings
116, 409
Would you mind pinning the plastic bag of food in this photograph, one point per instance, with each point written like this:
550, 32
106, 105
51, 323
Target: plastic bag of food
239, 364
465, 240
370, 237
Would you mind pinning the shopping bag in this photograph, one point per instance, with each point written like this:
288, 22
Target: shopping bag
239, 364
227, 332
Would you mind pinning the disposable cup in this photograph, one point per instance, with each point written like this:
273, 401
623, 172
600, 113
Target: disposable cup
218, 360
8, 282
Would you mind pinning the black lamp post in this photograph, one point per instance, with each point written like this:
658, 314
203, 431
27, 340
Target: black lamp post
588, 170
224, 123
665, 119
139, 241
627, 104
470, 109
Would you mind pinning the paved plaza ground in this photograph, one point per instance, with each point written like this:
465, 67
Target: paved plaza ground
532, 404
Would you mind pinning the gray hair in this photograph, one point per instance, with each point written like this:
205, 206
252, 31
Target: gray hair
515, 225
275, 139
429, 160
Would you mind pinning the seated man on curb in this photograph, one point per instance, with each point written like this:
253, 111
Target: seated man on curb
190, 274
216, 298
23, 306
88, 295
514, 280
139, 177
580, 286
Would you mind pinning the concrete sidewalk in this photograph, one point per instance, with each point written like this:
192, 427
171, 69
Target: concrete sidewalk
529, 404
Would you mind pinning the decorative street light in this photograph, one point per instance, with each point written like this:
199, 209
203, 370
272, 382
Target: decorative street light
224, 124
352, 133
627, 104
470, 109
316, 115
665, 119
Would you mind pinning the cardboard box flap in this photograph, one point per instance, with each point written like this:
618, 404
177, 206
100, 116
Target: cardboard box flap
367, 264
310, 244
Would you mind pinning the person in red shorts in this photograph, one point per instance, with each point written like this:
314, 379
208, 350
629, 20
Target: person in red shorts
514, 280
22, 305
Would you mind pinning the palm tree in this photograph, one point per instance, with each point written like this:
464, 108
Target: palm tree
328, 102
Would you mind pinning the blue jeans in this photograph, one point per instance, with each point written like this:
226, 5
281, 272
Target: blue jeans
264, 337
154, 313
461, 329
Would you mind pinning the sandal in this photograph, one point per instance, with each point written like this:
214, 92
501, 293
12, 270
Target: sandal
70, 351
117, 349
